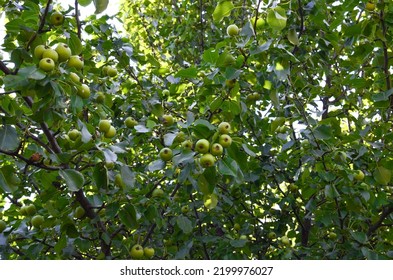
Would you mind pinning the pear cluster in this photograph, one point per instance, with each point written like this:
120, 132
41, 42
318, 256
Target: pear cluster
50, 57
138, 252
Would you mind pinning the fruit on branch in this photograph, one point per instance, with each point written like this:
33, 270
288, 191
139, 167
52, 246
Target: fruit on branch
271, 235
64, 52
285, 240
84, 91
207, 160
185, 209
148, 252
74, 134
104, 125
100, 97
46, 64
30, 210
3, 226
111, 132
236, 227
119, 181
229, 60
37, 221
79, 212
39, 50
370, 6
157, 192
187, 145
202, 146
225, 140
74, 77
167, 120
359, 175
56, 18
111, 72
137, 252
76, 62
224, 128
166, 154
130, 122
216, 149
232, 30
50, 53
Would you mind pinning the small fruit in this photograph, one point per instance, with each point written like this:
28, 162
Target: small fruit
229, 60
202, 146
39, 50
50, 53
216, 149
119, 181
232, 30
207, 160
31, 210
137, 252
165, 92
111, 72
236, 227
111, 132
224, 128
166, 154
167, 120
84, 91
359, 175
157, 192
148, 252
74, 77
285, 241
74, 134
100, 97
187, 144
64, 52
3, 226
76, 62
46, 64
37, 221
56, 18
23, 210
271, 235
130, 122
225, 140
79, 212
104, 125
332, 235
370, 6
185, 209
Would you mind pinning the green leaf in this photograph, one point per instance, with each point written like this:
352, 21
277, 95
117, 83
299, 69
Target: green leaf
189, 73
229, 167
7, 188
331, 191
84, 3
223, 9
210, 56
382, 175
323, 132
73, 179
184, 224
238, 243
128, 216
101, 5
360, 237
382, 96
75, 44
277, 18
9, 140
128, 176
100, 176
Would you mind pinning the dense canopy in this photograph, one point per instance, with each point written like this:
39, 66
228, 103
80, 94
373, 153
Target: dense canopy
196, 130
